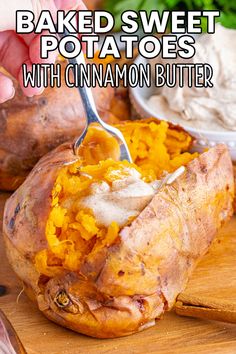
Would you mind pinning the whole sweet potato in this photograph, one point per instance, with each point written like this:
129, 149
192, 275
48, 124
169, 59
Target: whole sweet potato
134, 275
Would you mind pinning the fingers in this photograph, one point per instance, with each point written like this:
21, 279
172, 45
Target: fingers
34, 51
67, 5
33, 41
13, 53
29, 91
7, 90
16, 50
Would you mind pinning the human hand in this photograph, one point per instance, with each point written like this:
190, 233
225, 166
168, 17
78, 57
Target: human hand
16, 50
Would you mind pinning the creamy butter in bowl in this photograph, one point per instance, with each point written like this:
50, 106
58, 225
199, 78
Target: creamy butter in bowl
209, 114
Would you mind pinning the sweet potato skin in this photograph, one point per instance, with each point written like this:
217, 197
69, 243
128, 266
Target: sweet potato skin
31, 127
125, 287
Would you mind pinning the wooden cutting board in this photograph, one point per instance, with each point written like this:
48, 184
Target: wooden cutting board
215, 276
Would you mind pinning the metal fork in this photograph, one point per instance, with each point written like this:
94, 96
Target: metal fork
92, 115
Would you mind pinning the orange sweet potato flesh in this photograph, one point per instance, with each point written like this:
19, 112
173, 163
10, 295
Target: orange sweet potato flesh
99, 145
134, 281
29, 128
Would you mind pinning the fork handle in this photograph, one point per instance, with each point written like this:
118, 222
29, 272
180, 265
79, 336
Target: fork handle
85, 92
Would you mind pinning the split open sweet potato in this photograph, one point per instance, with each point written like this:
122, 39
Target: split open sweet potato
108, 277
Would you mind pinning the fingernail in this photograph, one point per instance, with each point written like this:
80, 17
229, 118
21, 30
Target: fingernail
37, 93
4, 99
40, 92
13, 92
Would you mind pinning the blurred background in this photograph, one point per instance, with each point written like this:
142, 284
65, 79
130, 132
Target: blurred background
227, 8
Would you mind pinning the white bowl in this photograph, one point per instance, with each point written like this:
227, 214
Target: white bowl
204, 138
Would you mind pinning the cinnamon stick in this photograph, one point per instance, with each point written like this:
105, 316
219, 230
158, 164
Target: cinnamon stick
9, 341
206, 308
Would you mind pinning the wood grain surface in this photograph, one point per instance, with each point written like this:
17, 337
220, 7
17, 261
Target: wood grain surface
215, 276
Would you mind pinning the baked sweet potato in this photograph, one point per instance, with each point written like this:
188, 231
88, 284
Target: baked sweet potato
31, 127
94, 272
